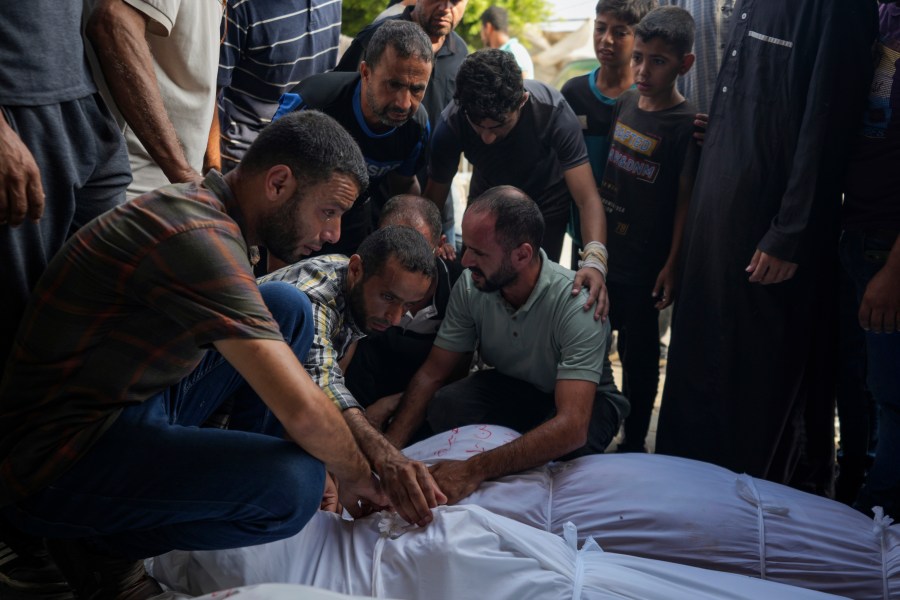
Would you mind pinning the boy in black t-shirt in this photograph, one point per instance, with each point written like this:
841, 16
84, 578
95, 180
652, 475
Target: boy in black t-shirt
646, 187
593, 96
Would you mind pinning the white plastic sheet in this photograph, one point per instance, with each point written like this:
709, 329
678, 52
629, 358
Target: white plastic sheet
692, 513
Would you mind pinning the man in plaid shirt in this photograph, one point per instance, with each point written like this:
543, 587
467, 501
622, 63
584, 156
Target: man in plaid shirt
139, 328
366, 294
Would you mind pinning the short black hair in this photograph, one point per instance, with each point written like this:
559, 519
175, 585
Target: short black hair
405, 37
497, 17
628, 11
519, 220
409, 210
671, 24
405, 244
313, 145
489, 85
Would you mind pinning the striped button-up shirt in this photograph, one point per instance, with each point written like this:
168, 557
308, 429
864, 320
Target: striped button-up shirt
324, 281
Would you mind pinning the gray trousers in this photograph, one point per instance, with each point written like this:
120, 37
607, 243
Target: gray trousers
84, 170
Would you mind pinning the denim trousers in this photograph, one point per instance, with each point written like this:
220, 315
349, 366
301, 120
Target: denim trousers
863, 256
157, 481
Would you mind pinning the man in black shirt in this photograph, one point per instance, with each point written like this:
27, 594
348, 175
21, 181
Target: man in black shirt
381, 108
438, 19
748, 385
525, 135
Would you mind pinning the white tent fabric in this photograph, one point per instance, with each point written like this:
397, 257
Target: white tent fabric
467, 552
689, 512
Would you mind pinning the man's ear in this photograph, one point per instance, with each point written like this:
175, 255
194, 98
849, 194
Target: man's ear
364, 70
522, 254
355, 270
280, 182
686, 63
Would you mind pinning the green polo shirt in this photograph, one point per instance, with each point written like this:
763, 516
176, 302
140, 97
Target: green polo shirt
550, 337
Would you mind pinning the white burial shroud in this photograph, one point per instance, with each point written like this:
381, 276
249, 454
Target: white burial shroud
466, 553
648, 506
692, 513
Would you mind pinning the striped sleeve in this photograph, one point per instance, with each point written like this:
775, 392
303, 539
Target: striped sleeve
322, 361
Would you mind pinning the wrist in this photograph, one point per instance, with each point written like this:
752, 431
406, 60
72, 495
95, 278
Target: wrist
595, 256
586, 264
478, 468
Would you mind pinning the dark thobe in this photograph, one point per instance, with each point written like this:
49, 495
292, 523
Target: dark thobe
750, 381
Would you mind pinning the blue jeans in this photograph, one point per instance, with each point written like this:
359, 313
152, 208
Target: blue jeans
156, 481
863, 256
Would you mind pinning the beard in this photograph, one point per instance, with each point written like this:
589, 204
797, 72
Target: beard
282, 232
504, 276
358, 309
383, 113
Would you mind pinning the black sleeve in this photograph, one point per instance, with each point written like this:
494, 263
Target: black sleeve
357, 50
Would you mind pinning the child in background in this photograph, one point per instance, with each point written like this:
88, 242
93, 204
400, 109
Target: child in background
646, 187
593, 96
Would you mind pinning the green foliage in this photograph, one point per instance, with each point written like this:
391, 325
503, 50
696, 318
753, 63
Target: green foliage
356, 14
520, 13
359, 13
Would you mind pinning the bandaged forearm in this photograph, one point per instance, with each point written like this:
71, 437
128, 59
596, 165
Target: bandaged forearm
595, 256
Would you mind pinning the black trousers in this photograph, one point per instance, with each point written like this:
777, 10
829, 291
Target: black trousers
490, 397
633, 315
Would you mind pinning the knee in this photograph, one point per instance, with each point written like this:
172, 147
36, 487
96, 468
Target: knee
441, 413
292, 310
300, 482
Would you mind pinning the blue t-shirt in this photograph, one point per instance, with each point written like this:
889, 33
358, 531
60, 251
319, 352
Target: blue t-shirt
595, 113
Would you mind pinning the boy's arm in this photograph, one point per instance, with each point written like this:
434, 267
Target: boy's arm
666, 281
118, 33
879, 310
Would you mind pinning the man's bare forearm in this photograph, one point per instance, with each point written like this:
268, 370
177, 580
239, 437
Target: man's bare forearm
408, 484
410, 413
372, 443
117, 33
547, 442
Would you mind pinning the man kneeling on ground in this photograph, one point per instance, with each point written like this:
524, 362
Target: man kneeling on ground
383, 365
354, 297
139, 328
549, 378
